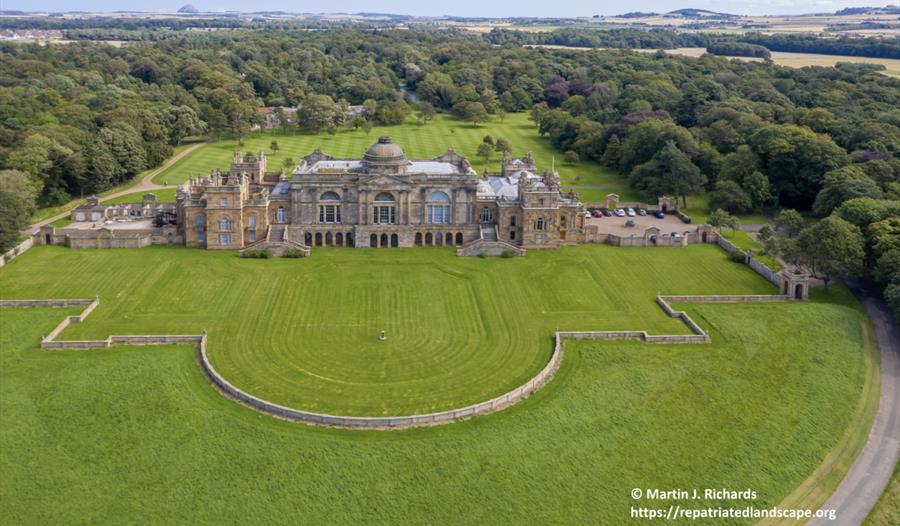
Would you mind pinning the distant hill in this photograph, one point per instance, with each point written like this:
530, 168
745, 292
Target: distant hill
699, 13
188, 9
886, 10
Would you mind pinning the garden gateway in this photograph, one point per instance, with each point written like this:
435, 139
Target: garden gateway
381, 200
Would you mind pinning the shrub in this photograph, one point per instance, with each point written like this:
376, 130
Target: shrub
292, 253
482, 255
256, 254
737, 256
508, 254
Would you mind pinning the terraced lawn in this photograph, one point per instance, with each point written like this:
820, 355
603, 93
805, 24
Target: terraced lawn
304, 333
136, 434
423, 141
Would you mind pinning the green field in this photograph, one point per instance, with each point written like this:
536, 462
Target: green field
425, 141
304, 333
136, 434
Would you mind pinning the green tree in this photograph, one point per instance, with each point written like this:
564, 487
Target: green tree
845, 183
502, 145
789, 221
319, 112
728, 195
485, 150
17, 204
720, 219
670, 171
832, 248
613, 152
274, 146
571, 157
473, 112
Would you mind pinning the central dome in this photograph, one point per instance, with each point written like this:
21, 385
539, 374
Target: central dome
384, 155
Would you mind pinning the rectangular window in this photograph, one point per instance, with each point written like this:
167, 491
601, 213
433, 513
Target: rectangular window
512, 221
252, 221
512, 235
439, 214
252, 236
201, 237
562, 222
223, 202
562, 235
329, 213
224, 239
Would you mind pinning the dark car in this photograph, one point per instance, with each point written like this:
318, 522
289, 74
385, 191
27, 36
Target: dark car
606, 212
596, 213
660, 214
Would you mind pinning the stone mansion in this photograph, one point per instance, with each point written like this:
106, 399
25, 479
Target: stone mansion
383, 199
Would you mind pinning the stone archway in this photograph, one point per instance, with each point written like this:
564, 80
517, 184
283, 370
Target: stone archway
384, 240
395, 241
428, 239
373, 241
418, 239
459, 238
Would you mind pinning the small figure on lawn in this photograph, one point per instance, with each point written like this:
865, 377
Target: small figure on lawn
382, 337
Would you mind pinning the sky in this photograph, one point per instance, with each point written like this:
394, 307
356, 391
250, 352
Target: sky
495, 8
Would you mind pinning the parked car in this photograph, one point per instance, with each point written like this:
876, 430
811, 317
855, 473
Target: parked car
660, 215
620, 212
641, 212
630, 212
587, 215
629, 223
606, 211
596, 213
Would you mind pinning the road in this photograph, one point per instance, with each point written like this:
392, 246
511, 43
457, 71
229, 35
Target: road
146, 184
872, 470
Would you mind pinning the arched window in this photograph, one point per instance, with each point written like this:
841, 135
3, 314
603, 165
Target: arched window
540, 225
330, 208
384, 214
438, 208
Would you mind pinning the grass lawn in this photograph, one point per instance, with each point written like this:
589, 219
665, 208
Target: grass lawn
698, 208
424, 141
742, 240
166, 195
887, 510
137, 434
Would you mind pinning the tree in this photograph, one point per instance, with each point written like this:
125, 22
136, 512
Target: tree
367, 127
538, 112
845, 183
720, 219
613, 152
728, 195
790, 221
669, 171
319, 112
473, 112
485, 150
488, 139
274, 146
502, 145
17, 203
832, 248
571, 157
426, 112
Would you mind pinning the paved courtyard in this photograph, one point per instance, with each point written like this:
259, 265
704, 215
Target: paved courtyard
616, 225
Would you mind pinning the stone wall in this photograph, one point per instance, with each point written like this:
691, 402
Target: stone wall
442, 417
16, 251
756, 265
491, 248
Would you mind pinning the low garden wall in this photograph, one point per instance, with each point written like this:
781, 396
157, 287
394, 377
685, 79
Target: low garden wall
442, 417
16, 251
756, 265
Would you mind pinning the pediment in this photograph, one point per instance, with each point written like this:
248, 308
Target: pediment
382, 180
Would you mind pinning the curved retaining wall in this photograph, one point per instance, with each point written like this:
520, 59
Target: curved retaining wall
390, 422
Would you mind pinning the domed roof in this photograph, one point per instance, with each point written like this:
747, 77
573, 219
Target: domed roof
384, 150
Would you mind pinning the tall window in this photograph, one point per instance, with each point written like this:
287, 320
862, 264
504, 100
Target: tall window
540, 225
329, 208
225, 225
385, 211
201, 237
438, 208
279, 215
223, 202
224, 239
562, 221
252, 236
487, 215
252, 221
201, 221
512, 221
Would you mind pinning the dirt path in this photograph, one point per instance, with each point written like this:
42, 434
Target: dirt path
872, 470
145, 184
